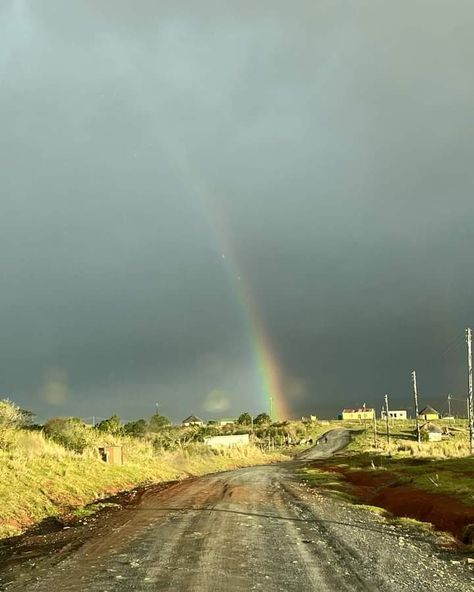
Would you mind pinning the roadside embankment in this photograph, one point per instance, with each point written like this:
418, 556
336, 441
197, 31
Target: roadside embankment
39, 478
435, 491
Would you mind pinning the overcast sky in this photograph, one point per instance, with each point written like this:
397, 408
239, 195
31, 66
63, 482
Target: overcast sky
331, 142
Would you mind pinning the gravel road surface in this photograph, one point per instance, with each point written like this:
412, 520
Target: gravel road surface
331, 442
257, 528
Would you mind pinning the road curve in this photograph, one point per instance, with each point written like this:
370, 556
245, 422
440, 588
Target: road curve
329, 443
252, 529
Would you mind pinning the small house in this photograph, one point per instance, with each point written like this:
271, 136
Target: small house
428, 414
357, 414
397, 414
192, 420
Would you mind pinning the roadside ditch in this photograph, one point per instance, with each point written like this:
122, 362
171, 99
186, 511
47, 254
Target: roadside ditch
397, 494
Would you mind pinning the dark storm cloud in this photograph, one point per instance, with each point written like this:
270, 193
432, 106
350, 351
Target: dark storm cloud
335, 141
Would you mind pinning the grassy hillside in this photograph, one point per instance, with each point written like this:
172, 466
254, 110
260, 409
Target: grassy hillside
455, 443
40, 478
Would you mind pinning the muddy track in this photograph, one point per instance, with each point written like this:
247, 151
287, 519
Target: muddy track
252, 529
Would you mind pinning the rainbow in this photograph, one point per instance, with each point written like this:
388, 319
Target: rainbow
265, 360
266, 363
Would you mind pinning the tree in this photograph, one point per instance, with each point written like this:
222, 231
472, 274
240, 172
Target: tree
157, 422
28, 417
244, 419
11, 415
204, 432
10, 418
111, 425
70, 432
137, 429
262, 418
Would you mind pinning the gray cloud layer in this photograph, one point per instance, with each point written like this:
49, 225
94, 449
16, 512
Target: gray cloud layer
334, 140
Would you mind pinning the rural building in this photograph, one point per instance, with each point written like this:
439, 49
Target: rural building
113, 455
227, 441
309, 419
358, 414
192, 420
428, 414
398, 414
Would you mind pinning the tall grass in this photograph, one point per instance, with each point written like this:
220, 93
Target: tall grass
40, 478
403, 441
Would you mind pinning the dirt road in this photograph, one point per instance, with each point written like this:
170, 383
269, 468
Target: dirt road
252, 529
330, 443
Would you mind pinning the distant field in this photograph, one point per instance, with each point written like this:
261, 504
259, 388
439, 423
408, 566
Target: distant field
403, 439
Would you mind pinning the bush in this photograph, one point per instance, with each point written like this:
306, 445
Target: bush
157, 422
136, 429
244, 419
11, 416
70, 432
110, 426
205, 432
262, 418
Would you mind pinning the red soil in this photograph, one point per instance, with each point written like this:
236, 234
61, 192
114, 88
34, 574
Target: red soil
381, 489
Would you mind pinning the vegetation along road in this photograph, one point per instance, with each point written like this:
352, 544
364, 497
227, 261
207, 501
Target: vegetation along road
256, 528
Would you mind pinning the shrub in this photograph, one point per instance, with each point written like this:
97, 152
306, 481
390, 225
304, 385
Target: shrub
262, 418
137, 429
11, 416
244, 419
111, 425
70, 432
157, 422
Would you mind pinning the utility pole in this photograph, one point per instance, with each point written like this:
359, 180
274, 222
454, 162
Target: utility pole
415, 396
386, 419
470, 405
449, 405
374, 418
271, 408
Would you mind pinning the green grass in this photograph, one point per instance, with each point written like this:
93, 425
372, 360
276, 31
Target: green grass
91, 509
318, 478
403, 439
40, 479
454, 477
437, 467
328, 481
374, 509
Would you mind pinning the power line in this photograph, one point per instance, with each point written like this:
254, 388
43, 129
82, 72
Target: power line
452, 347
